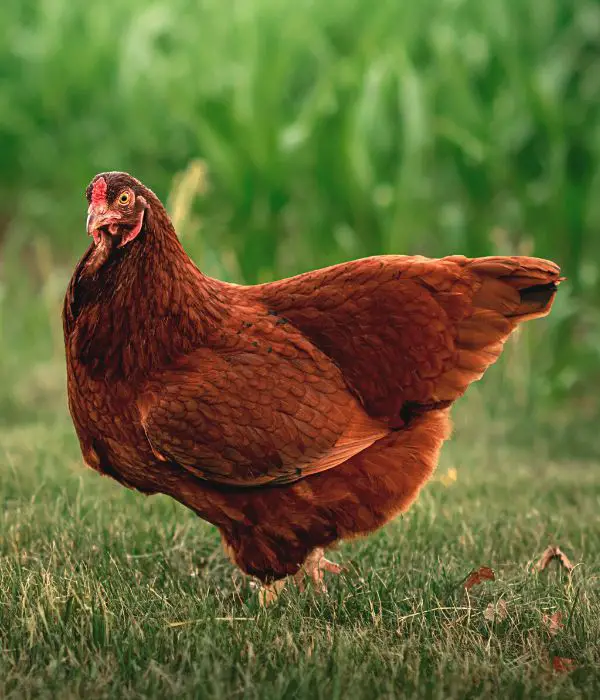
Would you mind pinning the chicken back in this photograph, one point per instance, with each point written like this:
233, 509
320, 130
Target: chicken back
291, 414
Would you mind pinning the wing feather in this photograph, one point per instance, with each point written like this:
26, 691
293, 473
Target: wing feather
410, 330
252, 417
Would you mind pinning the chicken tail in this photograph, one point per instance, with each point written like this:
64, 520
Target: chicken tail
521, 288
537, 300
509, 290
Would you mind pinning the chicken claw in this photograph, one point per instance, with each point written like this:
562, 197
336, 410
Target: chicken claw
315, 566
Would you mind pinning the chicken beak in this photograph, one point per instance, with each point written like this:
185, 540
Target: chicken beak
97, 219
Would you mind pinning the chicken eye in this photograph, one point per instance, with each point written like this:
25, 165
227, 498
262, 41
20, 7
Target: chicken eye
124, 198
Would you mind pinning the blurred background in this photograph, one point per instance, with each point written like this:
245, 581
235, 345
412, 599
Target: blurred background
289, 135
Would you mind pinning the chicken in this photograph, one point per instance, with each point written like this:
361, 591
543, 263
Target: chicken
293, 414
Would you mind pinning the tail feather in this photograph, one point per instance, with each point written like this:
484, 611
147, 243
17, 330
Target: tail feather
522, 271
518, 288
537, 300
508, 291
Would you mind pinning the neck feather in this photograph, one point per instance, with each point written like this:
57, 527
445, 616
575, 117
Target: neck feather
147, 305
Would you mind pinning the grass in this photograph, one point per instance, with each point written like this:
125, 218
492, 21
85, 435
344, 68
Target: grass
105, 593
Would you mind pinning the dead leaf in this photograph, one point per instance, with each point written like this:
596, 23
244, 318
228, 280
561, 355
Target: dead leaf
553, 623
496, 612
563, 665
554, 553
477, 576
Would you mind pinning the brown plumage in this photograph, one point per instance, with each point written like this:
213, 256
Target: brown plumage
292, 414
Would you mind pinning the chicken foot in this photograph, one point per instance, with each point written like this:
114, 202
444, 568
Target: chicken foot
314, 568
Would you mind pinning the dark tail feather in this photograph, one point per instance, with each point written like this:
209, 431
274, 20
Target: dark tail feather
537, 299
528, 285
510, 290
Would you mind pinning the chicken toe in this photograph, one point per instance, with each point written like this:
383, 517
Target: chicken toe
314, 567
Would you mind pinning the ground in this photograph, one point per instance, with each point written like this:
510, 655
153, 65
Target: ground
107, 593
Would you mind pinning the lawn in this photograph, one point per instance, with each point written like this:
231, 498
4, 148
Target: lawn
107, 593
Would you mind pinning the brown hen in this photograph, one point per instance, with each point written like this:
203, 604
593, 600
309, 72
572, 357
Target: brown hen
292, 414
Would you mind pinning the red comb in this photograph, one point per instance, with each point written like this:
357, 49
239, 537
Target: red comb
99, 192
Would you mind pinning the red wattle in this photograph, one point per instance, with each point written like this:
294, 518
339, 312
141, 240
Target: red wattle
132, 233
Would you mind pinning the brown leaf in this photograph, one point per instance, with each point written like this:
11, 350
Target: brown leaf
554, 553
553, 622
496, 612
563, 665
477, 576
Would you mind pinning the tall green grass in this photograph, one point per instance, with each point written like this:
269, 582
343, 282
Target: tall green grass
329, 130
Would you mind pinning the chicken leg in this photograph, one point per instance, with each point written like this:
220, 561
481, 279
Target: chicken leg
314, 567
